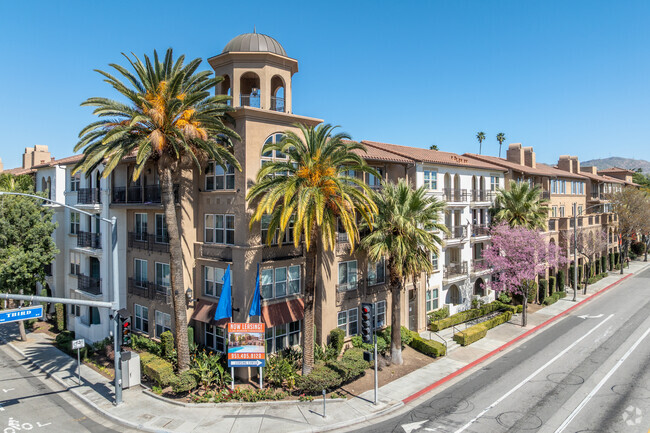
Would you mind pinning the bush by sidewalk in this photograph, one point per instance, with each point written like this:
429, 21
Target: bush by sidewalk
476, 332
430, 348
474, 313
549, 300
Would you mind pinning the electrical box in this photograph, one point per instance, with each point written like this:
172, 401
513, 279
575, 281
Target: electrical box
130, 364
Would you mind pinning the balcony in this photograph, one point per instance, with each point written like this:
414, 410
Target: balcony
89, 240
88, 196
454, 270
479, 230
456, 233
482, 196
277, 104
281, 252
479, 266
220, 252
148, 242
545, 195
89, 285
139, 194
455, 195
148, 290
252, 100
552, 225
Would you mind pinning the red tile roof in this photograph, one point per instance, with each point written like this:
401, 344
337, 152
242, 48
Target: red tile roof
539, 170
375, 154
616, 170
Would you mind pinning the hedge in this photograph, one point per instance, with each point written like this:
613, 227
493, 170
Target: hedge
337, 338
184, 382
332, 374
543, 288
158, 370
551, 285
549, 300
464, 316
167, 344
597, 278
603, 264
476, 332
560, 280
430, 348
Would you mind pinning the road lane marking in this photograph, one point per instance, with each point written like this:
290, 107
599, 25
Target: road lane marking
587, 316
535, 373
609, 374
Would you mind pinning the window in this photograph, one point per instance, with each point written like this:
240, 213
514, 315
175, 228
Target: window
93, 316
374, 181
162, 275
282, 336
554, 211
161, 229
494, 183
347, 275
430, 179
288, 234
553, 186
432, 299
580, 210
141, 318
562, 187
75, 182
273, 155
216, 178
163, 323
141, 226
561, 211
434, 261
140, 273
75, 263
219, 229
280, 282
582, 187
213, 281
376, 272
574, 187
380, 314
75, 219
215, 338
348, 322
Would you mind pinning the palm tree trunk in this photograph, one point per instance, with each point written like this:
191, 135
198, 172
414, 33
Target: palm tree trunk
176, 267
396, 318
310, 295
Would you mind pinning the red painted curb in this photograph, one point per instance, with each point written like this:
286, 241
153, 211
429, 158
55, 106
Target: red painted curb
508, 344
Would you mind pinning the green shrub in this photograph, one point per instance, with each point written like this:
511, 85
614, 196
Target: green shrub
184, 382
543, 288
438, 314
532, 291
632, 256
404, 332
141, 343
603, 264
190, 339
504, 298
617, 258
337, 338
29, 323
597, 278
464, 316
519, 309
430, 348
321, 377
476, 332
549, 300
353, 364
551, 285
167, 344
159, 370
146, 358
562, 295
60, 317
64, 340
638, 248
280, 372
560, 280
209, 369
611, 261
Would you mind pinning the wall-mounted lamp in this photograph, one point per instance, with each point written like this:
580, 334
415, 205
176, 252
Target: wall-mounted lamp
188, 296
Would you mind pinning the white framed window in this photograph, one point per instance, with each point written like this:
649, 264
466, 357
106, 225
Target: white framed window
434, 261
561, 211
280, 282
430, 179
580, 210
163, 322
264, 225
141, 322
293, 279
75, 263
162, 237
140, 226
140, 272
282, 336
375, 181
347, 275
432, 299
348, 321
274, 155
380, 314
219, 229
218, 179
75, 182
163, 275
376, 272
75, 220
213, 281
494, 183
215, 338
554, 211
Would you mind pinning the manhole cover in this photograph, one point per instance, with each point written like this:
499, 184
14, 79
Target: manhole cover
565, 379
452, 404
631, 389
520, 420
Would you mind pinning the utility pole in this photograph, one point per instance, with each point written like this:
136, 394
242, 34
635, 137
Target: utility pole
575, 251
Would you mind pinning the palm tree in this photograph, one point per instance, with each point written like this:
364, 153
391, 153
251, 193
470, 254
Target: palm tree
313, 188
480, 137
521, 205
171, 121
434, 147
501, 137
404, 232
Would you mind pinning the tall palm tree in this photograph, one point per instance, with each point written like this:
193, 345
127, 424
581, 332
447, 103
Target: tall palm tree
521, 205
169, 120
480, 136
404, 232
501, 137
314, 188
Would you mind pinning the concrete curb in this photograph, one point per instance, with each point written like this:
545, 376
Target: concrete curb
508, 344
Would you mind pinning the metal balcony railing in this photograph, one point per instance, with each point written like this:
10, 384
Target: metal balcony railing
482, 195
148, 242
546, 195
149, 290
216, 252
277, 104
455, 195
89, 284
281, 252
480, 230
453, 270
88, 196
139, 194
459, 232
89, 240
252, 100
478, 265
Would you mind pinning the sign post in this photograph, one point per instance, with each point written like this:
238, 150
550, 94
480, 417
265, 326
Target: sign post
78, 344
246, 346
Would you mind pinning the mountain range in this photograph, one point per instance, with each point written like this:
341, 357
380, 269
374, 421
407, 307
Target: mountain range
615, 161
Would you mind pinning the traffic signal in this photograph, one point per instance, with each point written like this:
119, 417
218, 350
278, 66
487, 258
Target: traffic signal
367, 316
125, 326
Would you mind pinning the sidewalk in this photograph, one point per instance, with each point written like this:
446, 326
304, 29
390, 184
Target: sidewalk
144, 411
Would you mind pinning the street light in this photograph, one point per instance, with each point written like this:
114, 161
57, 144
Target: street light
114, 281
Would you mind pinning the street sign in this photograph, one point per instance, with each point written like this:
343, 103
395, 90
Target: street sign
18, 314
78, 344
246, 345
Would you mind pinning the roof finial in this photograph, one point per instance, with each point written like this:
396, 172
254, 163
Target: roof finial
254, 29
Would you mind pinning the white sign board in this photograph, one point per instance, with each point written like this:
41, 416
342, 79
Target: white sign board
78, 344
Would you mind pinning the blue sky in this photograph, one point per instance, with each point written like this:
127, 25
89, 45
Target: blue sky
564, 77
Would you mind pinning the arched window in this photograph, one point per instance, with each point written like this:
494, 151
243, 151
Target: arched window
273, 155
250, 90
479, 288
277, 93
453, 295
225, 87
49, 187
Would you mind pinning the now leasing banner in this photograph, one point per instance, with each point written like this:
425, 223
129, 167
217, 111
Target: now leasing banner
246, 345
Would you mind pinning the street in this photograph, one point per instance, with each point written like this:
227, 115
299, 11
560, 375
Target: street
31, 402
586, 373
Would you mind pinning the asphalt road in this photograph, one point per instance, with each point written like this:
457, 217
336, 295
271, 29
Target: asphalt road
31, 402
582, 374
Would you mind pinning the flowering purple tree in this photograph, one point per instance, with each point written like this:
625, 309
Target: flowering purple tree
517, 255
